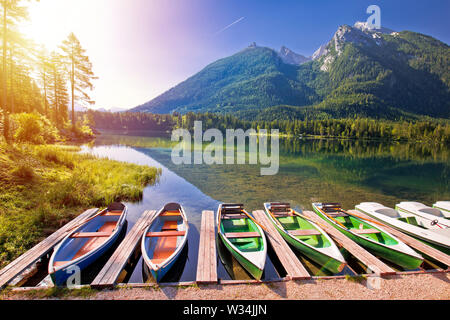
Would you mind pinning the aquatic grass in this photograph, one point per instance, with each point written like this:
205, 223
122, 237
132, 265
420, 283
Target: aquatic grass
44, 187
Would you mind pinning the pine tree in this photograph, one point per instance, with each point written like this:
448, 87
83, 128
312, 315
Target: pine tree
80, 71
44, 69
12, 12
58, 95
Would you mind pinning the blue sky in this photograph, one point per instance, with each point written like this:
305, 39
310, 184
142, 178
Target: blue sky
141, 48
305, 25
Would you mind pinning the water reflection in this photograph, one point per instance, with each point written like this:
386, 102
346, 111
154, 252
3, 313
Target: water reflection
345, 171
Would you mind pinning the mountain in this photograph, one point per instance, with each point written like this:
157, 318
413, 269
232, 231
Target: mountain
290, 57
359, 72
113, 110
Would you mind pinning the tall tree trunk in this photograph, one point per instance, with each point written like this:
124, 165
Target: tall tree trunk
45, 95
56, 111
72, 80
4, 89
11, 80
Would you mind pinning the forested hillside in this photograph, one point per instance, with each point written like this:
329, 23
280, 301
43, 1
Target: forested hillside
362, 74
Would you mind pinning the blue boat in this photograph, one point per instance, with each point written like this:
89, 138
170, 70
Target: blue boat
86, 243
163, 240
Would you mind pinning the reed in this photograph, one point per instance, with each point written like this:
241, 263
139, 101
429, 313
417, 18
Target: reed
45, 186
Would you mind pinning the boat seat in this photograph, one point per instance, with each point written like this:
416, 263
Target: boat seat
282, 214
305, 232
113, 213
365, 231
165, 234
234, 216
233, 235
336, 214
171, 214
91, 235
170, 225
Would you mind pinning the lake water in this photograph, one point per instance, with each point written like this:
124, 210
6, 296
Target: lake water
342, 171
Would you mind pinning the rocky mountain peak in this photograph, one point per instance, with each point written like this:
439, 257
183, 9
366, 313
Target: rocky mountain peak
290, 57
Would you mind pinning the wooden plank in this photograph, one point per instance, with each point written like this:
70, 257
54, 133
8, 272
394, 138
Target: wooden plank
365, 231
124, 252
412, 242
113, 268
228, 216
207, 260
233, 235
355, 249
309, 232
212, 248
41, 249
294, 268
165, 234
110, 272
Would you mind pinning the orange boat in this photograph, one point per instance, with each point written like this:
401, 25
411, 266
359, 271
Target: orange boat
164, 239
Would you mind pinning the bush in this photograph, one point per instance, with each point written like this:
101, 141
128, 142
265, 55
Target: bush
33, 128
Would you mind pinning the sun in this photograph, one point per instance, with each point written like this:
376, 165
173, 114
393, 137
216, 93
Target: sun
51, 21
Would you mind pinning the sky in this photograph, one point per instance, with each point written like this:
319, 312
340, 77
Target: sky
141, 48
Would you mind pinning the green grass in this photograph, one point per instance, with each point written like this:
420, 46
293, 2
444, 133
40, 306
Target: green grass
45, 186
59, 292
357, 279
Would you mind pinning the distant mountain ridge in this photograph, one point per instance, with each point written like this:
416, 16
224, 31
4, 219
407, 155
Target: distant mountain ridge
359, 72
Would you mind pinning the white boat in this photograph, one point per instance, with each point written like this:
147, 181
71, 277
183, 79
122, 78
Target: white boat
427, 217
444, 206
406, 223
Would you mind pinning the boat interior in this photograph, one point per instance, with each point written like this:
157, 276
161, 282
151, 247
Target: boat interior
92, 235
239, 229
391, 213
358, 226
433, 211
165, 234
298, 227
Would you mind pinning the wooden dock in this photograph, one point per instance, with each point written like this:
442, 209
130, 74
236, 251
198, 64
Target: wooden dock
207, 257
107, 277
294, 268
410, 241
31, 256
355, 249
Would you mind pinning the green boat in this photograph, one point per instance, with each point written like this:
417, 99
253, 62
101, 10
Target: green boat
242, 237
305, 236
371, 237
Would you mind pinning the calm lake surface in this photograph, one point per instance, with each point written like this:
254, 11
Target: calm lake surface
345, 171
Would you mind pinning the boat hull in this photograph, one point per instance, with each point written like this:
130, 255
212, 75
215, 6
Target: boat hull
428, 242
248, 265
159, 274
60, 277
403, 260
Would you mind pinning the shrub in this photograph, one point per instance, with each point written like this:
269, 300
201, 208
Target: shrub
33, 128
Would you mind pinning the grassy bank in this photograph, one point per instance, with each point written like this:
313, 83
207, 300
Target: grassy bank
45, 186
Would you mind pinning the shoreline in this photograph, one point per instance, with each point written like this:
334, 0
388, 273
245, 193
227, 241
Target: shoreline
395, 287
